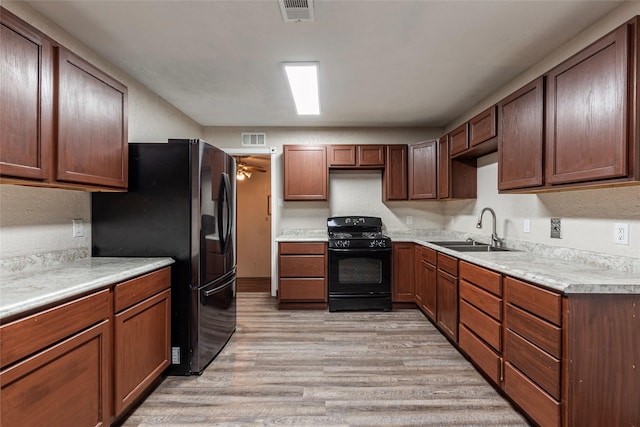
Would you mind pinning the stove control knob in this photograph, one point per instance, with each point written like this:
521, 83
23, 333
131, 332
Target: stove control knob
342, 243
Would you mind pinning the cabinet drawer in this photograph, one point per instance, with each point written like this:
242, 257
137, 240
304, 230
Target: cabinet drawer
315, 248
536, 403
481, 354
25, 336
429, 255
481, 277
538, 301
543, 334
302, 290
302, 266
448, 264
536, 364
481, 299
135, 290
481, 324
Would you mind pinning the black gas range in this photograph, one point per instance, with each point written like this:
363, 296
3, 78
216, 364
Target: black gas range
359, 264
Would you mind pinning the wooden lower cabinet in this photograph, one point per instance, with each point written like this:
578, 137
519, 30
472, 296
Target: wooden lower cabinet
78, 364
64, 383
302, 275
447, 295
142, 336
402, 286
426, 279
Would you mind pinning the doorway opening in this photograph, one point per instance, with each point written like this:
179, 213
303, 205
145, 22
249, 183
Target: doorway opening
253, 224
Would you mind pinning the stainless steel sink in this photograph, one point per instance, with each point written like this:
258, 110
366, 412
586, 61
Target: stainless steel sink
469, 246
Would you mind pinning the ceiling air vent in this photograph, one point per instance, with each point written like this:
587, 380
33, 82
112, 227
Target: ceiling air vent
254, 139
297, 10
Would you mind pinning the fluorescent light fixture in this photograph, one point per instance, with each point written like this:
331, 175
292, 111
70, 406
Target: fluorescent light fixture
303, 81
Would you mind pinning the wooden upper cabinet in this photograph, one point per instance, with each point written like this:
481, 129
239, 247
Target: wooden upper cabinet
305, 172
444, 170
422, 170
342, 155
92, 125
483, 127
588, 112
395, 173
356, 156
459, 139
26, 90
521, 140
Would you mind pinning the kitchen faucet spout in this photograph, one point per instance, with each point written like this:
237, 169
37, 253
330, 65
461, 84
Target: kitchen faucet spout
495, 240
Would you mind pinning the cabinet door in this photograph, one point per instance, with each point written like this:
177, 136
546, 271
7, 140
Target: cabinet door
447, 296
422, 170
587, 113
92, 125
520, 152
26, 88
395, 173
66, 384
429, 277
444, 170
305, 172
342, 155
403, 286
459, 139
370, 155
483, 127
142, 342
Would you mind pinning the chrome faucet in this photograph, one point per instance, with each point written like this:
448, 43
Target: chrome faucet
496, 242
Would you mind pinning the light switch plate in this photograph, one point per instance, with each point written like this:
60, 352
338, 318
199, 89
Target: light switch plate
78, 228
556, 228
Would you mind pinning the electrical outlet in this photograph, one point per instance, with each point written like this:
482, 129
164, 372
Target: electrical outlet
621, 233
409, 220
526, 226
175, 355
556, 228
78, 228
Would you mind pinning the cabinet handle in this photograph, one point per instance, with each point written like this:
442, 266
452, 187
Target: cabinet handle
501, 361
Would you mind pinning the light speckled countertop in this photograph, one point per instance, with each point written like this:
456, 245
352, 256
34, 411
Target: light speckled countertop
561, 275
28, 290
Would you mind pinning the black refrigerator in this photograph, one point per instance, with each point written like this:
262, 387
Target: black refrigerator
180, 204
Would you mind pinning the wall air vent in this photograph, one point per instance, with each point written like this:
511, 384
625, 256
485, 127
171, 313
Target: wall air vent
297, 10
254, 139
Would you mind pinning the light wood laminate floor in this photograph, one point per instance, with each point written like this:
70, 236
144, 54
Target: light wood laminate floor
318, 368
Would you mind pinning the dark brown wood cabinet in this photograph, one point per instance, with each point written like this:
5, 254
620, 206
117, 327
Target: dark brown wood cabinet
26, 90
356, 156
457, 178
395, 173
444, 168
426, 280
422, 159
447, 295
58, 367
481, 318
142, 335
483, 128
402, 285
587, 113
64, 122
302, 275
521, 140
533, 350
459, 139
92, 125
305, 172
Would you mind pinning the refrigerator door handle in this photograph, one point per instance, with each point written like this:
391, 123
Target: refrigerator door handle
210, 292
223, 196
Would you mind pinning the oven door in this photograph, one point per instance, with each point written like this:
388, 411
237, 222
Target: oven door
359, 271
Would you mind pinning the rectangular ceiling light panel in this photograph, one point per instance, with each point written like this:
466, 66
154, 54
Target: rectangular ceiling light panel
303, 81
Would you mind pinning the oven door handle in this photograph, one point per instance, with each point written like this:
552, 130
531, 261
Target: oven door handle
354, 250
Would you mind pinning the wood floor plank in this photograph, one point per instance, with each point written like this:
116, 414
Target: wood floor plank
315, 368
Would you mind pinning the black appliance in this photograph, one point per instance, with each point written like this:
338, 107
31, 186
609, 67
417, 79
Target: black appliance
180, 204
359, 264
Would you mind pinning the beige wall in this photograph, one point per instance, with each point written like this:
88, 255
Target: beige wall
38, 220
254, 224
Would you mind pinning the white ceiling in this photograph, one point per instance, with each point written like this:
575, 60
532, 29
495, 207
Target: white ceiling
382, 63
